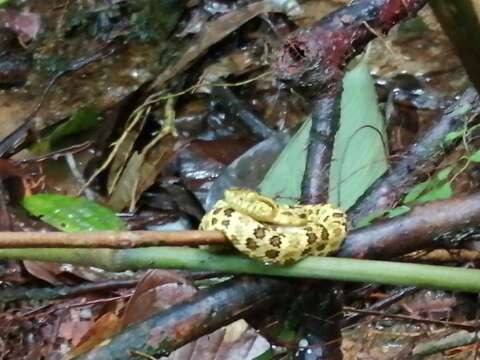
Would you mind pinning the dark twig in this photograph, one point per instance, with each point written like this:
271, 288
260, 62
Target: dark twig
417, 161
39, 294
412, 318
396, 296
325, 119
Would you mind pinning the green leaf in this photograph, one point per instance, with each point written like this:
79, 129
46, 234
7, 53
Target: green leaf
417, 190
4, 2
475, 157
82, 119
397, 211
284, 179
267, 355
367, 220
439, 193
453, 135
359, 154
444, 173
72, 214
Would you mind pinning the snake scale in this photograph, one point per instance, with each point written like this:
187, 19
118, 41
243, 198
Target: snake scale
276, 234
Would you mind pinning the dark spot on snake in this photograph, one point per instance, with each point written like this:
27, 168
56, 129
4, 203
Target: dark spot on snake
312, 237
214, 221
325, 219
308, 228
225, 222
302, 216
272, 254
276, 241
337, 215
259, 233
289, 261
288, 213
251, 244
324, 235
306, 252
216, 211
320, 247
229, 212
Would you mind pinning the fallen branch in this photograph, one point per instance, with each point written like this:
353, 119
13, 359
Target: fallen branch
426, 227
457, 339
213, 308
420, 159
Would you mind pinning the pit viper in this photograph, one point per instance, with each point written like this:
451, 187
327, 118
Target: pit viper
273, 233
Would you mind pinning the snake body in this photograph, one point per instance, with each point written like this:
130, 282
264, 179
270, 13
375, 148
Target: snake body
272, 233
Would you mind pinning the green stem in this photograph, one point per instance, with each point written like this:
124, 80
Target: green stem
383, 272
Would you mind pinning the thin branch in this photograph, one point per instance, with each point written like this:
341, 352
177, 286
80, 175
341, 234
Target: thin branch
109, 239
420, 159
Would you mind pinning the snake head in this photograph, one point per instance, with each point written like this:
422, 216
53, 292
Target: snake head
251, 203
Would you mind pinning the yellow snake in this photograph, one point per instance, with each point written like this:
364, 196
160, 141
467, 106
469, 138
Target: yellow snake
272, 233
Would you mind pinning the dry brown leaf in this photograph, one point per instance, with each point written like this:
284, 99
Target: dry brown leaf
158, 290
237, 341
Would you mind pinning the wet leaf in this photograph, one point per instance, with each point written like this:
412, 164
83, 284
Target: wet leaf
212, 32
290, 166
72, 214
156, 291
235, 341
359, 154
248, 168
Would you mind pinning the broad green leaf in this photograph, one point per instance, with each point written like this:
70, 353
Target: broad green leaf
475, 157
359, 154
4, 2
72, 214
417, 190
439, 193
284, 179
82, 119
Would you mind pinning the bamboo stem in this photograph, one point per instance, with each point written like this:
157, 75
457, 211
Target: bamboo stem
383, 272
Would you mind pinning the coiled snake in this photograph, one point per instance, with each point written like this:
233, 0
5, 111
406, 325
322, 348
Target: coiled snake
272, 233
